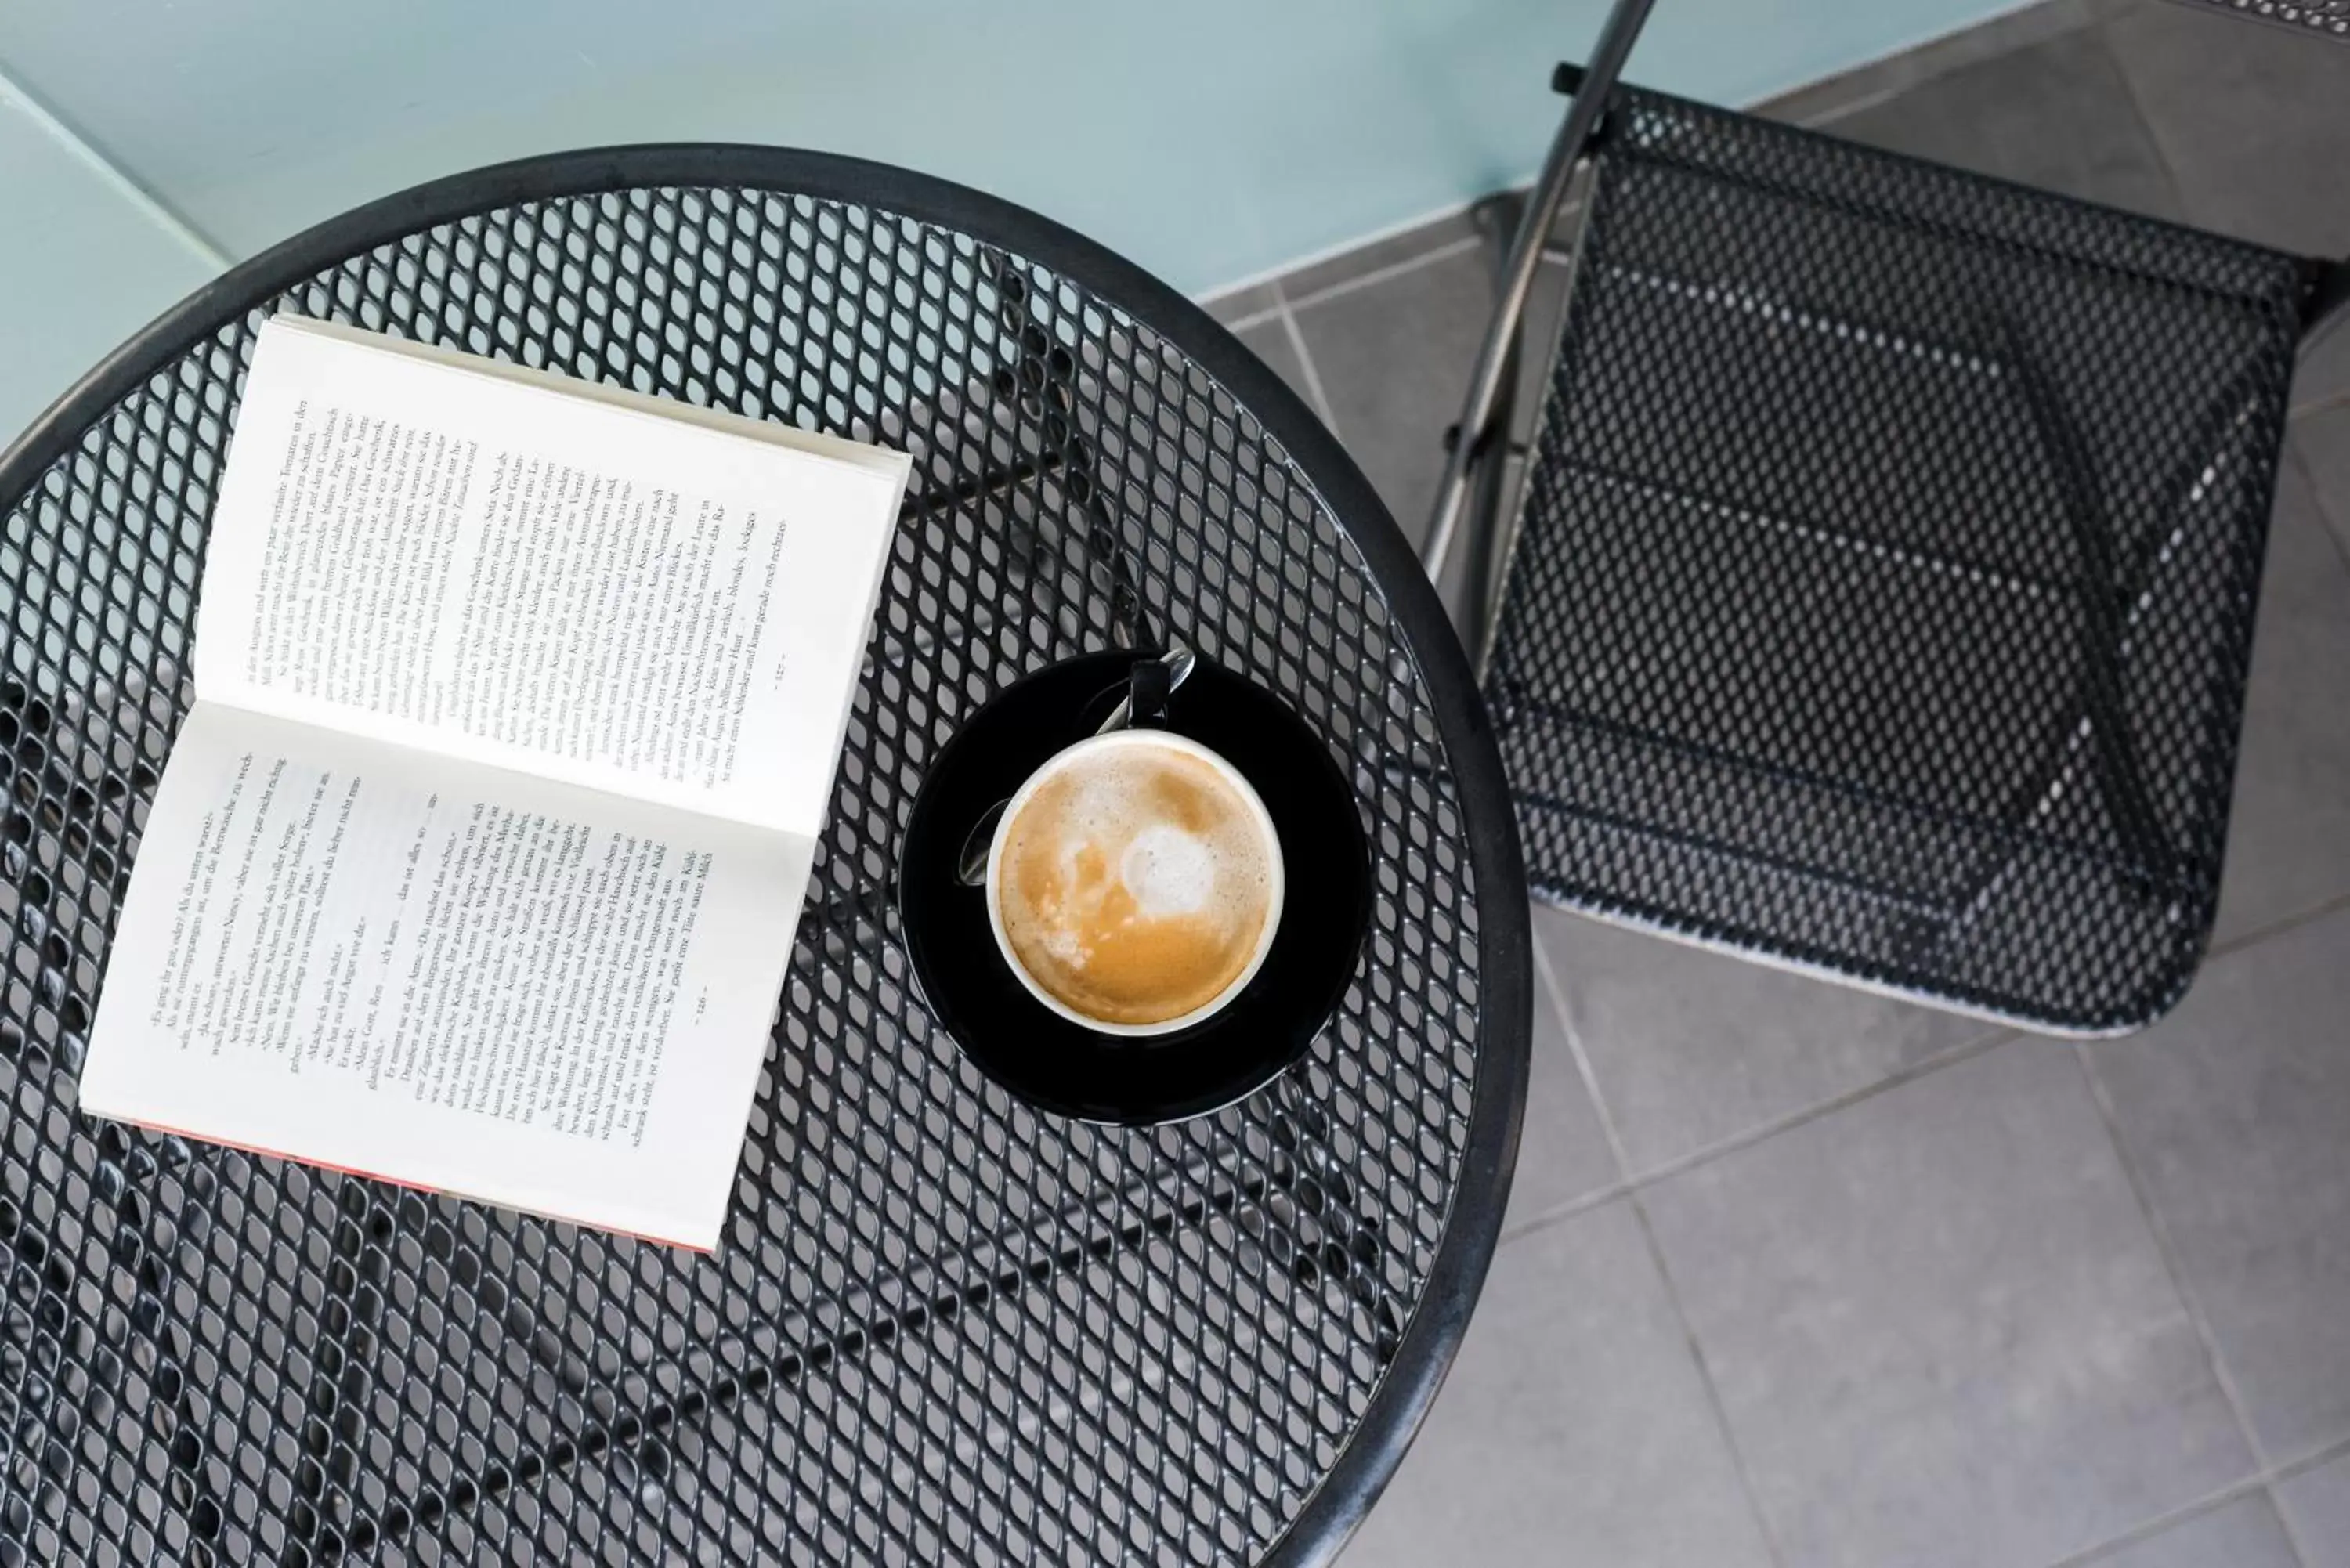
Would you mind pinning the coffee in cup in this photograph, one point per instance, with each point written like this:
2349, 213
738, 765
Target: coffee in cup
1135, 883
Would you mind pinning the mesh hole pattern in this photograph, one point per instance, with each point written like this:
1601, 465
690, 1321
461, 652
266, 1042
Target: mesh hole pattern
941, 1328
1882, 596
2327, 18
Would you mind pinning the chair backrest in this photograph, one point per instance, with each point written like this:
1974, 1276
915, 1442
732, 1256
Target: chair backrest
1880, 599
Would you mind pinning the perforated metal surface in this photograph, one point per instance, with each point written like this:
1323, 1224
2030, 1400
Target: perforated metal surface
2329, 17
940, 1328
1885, 583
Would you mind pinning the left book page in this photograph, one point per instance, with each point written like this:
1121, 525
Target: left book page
449, 975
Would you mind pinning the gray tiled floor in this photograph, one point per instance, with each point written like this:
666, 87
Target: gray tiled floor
1392, 367
2058, 115
2235, 1111
2321, 380
1563, 1155
1941, 1328
2289, 840
1274, 340
1798, 1276
2324, 448
2249, 121
1574, 1426
1691, 1049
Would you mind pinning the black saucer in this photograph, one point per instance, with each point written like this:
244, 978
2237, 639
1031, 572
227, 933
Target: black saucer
1065, 1068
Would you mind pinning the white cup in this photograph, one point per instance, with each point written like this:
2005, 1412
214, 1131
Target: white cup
1053, 766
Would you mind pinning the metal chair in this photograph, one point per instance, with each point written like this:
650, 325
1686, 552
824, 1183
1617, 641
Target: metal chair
1877, 599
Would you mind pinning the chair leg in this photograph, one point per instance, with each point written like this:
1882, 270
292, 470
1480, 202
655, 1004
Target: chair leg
1494, 518
2327, 305
1498, 217
1485, 381
1045, 372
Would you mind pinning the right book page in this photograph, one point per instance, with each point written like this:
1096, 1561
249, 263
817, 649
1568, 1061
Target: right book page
516, 569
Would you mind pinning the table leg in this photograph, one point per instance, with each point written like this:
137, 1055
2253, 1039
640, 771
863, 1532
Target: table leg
1040, 378
349, 1318
649, 1428
1299, 1206
1037, 384
72, 1368
1333, 1237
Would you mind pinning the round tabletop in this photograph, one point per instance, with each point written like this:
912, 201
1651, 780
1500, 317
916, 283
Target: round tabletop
941, 1327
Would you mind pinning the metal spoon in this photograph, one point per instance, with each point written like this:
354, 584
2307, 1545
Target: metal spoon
971, 869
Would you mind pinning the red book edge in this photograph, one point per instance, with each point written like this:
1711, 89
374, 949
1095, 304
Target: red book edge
410, 1186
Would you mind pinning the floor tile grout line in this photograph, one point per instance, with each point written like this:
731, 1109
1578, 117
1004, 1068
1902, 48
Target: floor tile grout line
2100, 35
1682, 1165
1738, 1463
2316, 1459
2109, 1118
1632, 1187
2301, 1550
1252, 319
2326, 403
2325, 519
2284, 925
1584, 1203
2137, 1534
1378, 275
2109, 1115
2324, 1456
1627, 1185
1441, 252
115, 176
1925, 1067
1548, 975
1314, 388
2267, 1480
1860, 104
1929, 60
1547, 978
1630, 1183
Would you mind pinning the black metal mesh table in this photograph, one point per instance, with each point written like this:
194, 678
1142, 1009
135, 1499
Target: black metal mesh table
942, 1327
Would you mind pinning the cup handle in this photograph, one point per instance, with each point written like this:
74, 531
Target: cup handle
1147, 686
1149, 683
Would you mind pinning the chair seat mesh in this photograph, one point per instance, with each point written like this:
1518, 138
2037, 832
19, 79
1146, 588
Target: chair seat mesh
1883, 584
2327, 18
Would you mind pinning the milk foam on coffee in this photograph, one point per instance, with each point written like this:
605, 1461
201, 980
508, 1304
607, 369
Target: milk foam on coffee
1134, 884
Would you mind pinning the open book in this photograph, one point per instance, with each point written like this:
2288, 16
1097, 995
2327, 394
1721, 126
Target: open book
476, 863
